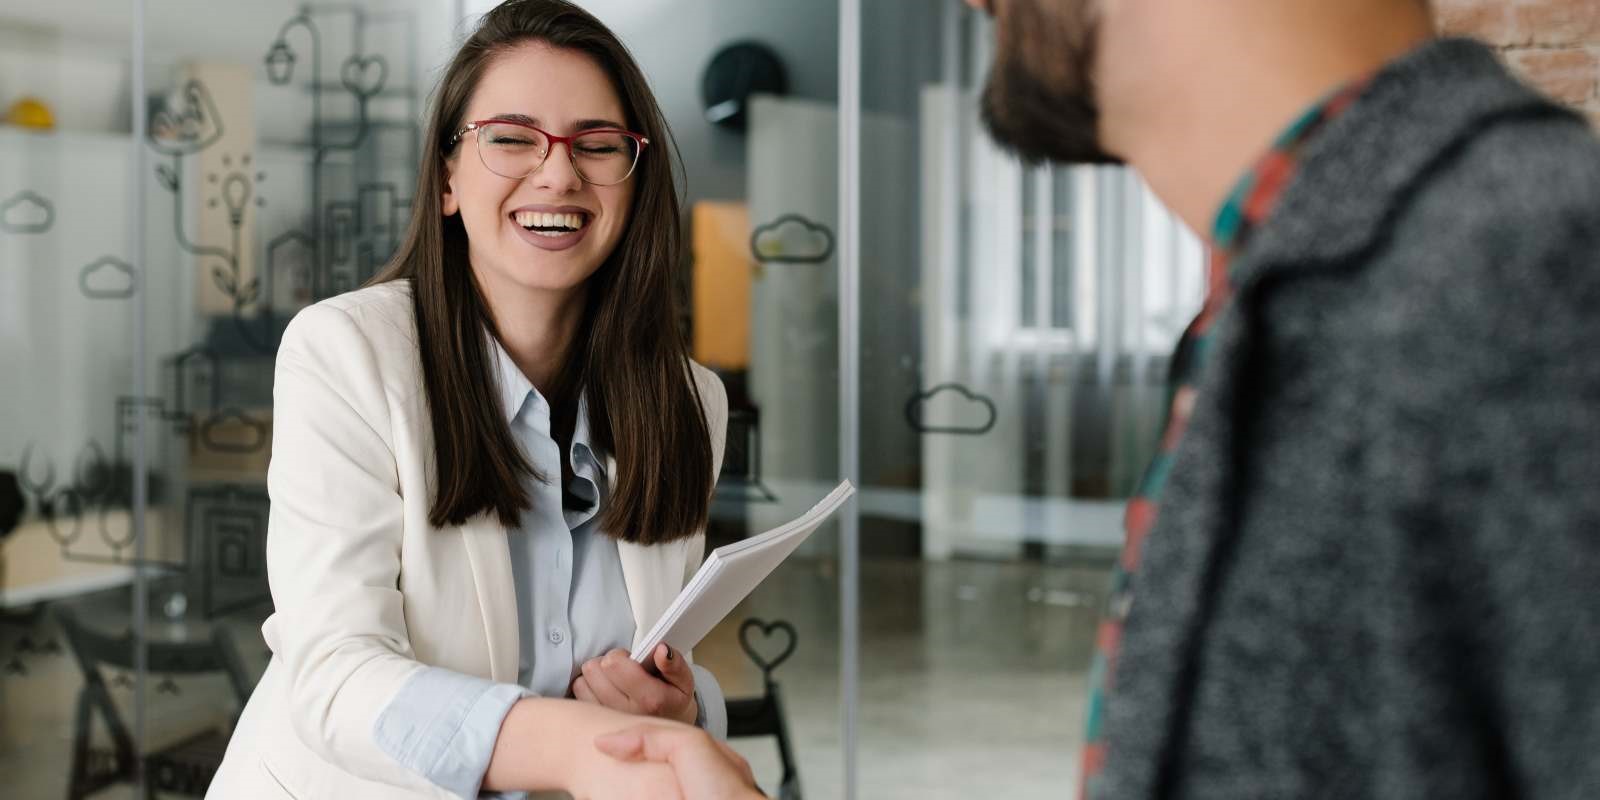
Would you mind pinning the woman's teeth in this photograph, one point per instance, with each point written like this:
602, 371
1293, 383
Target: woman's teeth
551, 225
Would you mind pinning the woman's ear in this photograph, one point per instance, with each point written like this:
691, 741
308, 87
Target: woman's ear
448, 202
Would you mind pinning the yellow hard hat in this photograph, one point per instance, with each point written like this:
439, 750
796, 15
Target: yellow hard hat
31, 112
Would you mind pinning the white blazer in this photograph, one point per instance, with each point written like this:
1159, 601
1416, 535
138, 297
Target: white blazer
365, 591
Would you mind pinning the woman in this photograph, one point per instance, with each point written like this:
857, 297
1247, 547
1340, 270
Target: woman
492, 467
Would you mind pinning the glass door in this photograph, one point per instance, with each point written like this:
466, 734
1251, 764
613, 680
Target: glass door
1014, 330
179, 178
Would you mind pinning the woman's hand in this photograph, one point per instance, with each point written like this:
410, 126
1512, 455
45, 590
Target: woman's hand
616, 681
706, 769
549, 745
597, 777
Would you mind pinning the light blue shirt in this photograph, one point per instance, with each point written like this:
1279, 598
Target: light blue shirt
572, 605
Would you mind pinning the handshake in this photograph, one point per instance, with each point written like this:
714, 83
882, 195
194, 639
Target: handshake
703, 768
621, 736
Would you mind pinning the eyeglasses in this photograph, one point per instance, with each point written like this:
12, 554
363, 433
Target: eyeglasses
602, 157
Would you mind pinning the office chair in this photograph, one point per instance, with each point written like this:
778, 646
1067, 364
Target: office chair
10, 503
11, 507
185, 768
763, 716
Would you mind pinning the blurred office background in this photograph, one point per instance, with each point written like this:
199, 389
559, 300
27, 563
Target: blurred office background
1013, 328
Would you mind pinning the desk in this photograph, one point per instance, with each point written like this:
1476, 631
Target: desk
32, 569
110, 612
985, 519
183, 736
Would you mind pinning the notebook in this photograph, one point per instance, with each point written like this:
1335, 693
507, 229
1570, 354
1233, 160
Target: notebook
729, 575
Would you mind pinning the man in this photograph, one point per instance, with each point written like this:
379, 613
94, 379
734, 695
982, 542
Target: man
1367, 563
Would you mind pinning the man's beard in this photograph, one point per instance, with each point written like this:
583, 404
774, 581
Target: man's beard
1044, 111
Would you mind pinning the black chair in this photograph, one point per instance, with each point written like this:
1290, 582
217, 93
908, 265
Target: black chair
763, 716
741, 460
185, 768
11, 508
10, 503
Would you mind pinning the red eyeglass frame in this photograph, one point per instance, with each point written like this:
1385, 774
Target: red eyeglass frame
553, 139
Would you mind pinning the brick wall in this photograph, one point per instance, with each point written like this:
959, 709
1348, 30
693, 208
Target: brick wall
1555, 44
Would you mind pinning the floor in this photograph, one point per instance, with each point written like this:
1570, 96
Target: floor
972, 682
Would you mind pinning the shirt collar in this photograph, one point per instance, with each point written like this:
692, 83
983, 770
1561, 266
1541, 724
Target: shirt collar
514, 386
580, 430
1256, 194
516, 391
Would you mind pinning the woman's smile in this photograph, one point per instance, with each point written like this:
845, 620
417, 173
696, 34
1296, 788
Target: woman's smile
552, 227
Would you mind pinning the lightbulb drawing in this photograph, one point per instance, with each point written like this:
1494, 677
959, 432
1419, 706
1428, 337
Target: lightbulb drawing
236, 194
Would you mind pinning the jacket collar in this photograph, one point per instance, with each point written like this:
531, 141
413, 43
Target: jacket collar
1415, 112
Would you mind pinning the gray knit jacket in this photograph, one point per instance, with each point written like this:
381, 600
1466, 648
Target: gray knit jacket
1376, 569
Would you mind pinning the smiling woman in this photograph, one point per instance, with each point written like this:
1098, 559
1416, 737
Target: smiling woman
557, 76
492, 466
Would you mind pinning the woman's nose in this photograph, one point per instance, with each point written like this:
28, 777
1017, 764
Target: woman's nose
557, 172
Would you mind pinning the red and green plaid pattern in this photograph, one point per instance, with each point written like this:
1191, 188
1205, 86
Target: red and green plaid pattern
1246, 208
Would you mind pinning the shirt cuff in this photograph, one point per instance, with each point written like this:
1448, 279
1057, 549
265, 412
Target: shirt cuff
443, 726
713, 708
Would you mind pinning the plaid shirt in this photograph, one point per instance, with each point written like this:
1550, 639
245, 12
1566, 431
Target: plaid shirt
1246, 209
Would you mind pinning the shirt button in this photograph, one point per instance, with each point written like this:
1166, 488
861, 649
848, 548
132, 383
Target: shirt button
555, 636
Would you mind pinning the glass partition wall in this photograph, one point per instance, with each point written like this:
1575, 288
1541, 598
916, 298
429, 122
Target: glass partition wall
982, 348
1014, 330
178, 179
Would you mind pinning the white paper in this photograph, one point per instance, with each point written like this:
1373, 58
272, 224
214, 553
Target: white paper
731, 573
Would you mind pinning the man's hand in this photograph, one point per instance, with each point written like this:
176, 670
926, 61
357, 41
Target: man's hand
548, 745
616, 681
706, 768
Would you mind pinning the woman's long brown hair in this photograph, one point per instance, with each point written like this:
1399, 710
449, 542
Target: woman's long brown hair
629, 359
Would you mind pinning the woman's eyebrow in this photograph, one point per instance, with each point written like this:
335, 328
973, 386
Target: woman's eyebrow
593, 124
520, 118
580, 125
